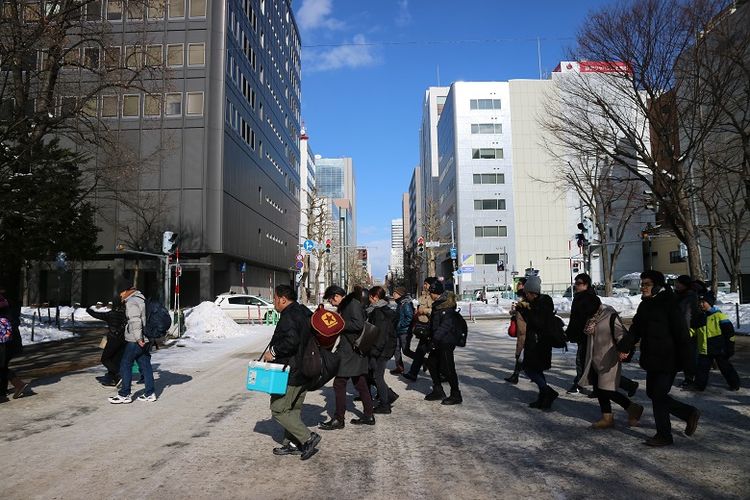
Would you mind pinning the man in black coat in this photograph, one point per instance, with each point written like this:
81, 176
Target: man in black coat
660, 327
116, 320
286, 347
443, 338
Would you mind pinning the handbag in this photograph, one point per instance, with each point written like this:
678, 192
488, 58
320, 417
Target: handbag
513, 328
421, 330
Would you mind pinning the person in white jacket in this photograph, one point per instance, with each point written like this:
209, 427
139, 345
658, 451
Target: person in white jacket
137, 348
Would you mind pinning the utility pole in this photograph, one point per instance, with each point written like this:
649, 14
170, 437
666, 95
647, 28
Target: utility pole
457, 276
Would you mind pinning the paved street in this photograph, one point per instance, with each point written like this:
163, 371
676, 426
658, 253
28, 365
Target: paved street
206, 437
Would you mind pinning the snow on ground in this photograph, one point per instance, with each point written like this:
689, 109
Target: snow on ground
207, 321
45, 327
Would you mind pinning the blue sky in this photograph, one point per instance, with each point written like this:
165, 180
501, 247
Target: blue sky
366, 65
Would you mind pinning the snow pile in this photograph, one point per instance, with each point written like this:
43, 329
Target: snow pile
207, 321
45, 328
42, 333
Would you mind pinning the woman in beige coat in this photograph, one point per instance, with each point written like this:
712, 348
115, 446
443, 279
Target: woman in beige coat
603, 365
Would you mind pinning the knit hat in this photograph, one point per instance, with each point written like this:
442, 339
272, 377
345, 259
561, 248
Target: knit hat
533, 285
437, 288
333, 290
400, 290
708, 296
124, 283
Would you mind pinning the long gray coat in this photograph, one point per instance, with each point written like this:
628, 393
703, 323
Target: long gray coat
602, 356
353, 314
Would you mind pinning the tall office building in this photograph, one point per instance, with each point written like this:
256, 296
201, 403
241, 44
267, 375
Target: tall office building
227, 180
397, 247
307, 205
335, 180
432, 108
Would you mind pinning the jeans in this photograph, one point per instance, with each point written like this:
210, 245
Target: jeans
537, 378
442, 362
377, 366
339, 389
658, 386
142, 356
286, 410
725, 367
403, 344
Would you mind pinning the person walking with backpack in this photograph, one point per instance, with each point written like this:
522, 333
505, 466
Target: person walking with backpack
286, 347
714, 343
137, 348
353, 365
602, 365
405, 316
538, 315
660, 327
443, 339
384, 318
111, 358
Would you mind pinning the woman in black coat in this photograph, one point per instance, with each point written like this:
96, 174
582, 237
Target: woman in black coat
116, 320
538, 315
353, 365
660, 327
384, 318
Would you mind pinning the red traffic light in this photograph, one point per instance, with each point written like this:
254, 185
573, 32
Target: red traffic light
420, 240
328, 241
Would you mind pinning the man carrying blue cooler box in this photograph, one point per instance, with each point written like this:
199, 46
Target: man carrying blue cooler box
286, 347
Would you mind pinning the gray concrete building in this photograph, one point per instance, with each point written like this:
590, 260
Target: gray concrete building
224, 144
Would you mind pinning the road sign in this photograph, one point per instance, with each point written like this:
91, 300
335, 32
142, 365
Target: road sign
243, 267
300, 264
454, 253
300, 257
467, 269
308, 245
458, 272
432, 244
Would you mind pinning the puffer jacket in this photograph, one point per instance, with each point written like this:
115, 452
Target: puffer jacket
382, 316
537, 349
353, 314
135, 309
289, 340
443, 328
405, 312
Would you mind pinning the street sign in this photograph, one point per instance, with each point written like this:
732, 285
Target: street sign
458, 272
300, 257
432, 244
467, 269
300, 264
243, 267
308, 245
454, 253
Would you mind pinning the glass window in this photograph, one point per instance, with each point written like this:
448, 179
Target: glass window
131, 106
484, 104
196, 54
112, 57
109, 106
89, 107
238, 301
175, 55
136, 10
487, 154
72, 57
68, 106
114, 10
490, 231
197, 8
156, 9
487, 258
194, 103
133, 57
176, 9
91, 57
154, 55
151, 105
173, 104
94, 10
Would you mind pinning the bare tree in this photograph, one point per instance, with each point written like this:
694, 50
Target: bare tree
317, 229
356, 273
431, 225
644, 108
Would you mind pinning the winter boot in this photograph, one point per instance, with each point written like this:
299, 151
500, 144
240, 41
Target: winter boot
634, 414
548, 396
606, 422
454, 399
536, 403
437, 394
513, 379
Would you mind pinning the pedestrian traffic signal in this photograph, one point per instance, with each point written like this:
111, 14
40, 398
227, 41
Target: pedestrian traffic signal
420, 244
328, 245
500, 265
169, 242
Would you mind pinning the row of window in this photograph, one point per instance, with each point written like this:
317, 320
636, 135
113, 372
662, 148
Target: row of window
129, 105
494, 204
490, 231
135, 56
487, 154
486, 128
114, 10
484, 104
489, 178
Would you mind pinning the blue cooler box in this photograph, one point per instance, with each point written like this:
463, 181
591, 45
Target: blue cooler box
270, 378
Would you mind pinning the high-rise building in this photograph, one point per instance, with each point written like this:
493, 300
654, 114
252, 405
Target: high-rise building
397, 247
432, 108
335, 180
227, 128
308, 206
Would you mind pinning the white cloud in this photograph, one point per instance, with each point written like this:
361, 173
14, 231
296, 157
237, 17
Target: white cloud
317, 14
404, 16
353, 55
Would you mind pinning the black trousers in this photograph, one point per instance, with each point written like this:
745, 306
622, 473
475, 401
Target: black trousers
417, 356
441, 362
112, 355
658, 385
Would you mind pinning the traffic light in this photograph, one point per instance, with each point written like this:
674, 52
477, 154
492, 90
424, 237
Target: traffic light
420, 244
581, 240
500, 265
168, 242
328, 245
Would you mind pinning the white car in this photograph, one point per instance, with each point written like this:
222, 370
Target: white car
241, 307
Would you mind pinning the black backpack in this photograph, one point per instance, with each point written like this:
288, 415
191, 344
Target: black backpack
556, 333
462, 329
158, 321
318, 364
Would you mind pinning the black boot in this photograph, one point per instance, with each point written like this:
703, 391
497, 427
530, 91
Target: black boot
453, 399
437, 394
548, 396
537, 401
513, 379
